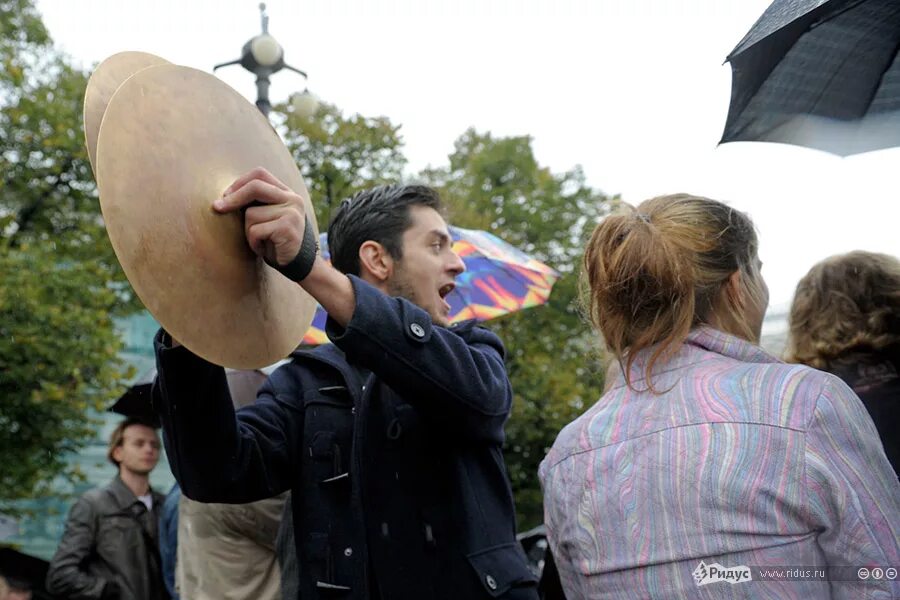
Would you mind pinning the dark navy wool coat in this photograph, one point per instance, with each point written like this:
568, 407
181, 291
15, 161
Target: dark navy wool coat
398, 482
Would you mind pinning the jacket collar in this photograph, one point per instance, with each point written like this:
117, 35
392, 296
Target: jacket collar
124, 497
334, 357
713, 340
700, 340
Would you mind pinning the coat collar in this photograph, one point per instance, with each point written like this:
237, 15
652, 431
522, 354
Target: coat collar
124, 497
713, 340
334, 357
700, 340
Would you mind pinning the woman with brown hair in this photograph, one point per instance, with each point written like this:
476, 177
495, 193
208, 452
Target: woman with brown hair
845, 319
709, 460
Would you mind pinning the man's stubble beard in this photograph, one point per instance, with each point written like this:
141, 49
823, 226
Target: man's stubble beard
398, 286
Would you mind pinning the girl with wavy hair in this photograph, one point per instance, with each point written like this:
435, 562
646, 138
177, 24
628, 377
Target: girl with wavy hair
845, 319
709, 459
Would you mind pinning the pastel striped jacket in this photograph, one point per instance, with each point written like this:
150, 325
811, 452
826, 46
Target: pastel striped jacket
740, 461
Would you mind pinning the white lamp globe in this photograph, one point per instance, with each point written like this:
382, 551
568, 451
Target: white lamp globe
266, 51
304, 105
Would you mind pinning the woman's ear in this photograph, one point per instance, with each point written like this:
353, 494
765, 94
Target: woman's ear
375, 262
735, 293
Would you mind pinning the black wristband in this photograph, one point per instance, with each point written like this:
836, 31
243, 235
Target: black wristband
299, 268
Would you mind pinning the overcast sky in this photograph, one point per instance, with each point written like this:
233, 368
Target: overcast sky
635, 91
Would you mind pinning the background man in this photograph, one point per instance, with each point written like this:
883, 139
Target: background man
109, 549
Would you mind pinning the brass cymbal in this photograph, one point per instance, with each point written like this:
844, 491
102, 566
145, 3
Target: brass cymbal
103, 83
172, 139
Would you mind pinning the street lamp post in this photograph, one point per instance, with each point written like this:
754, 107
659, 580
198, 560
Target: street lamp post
263, 56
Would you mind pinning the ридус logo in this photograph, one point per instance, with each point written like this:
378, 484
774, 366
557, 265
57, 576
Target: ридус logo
705, 574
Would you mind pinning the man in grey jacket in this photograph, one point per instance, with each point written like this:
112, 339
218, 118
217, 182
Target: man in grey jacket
110, 547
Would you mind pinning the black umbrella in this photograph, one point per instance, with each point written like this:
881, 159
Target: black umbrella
819, 73
135, 402
25, 572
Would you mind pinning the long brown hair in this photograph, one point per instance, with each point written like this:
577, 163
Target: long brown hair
845, 303
655, 272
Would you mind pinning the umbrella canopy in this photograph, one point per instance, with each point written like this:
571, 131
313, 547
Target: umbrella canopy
499, 279
25, 570
242, 384
819, 73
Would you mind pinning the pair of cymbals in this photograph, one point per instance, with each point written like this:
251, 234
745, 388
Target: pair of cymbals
165, 141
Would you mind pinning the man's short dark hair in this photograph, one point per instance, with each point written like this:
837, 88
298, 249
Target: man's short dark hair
379, 214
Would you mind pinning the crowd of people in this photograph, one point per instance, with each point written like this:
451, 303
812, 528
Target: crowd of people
372, 467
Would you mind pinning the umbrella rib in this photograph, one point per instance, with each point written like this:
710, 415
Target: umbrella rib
740, 48
881, 80
837, 12
835, 72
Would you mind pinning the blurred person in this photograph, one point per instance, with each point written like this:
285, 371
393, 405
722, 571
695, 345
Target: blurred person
16, 590
110, 547
286, 552
168, 538
707, 453
227, 551
845, 319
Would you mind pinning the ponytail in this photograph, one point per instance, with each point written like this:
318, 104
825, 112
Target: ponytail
655, 272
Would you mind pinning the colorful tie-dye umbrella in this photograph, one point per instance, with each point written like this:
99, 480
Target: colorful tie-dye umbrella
499, 279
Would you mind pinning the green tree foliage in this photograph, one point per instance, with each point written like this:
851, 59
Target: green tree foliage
340, 155
61, 282
47, 190
21, 28
58, 352
496, 184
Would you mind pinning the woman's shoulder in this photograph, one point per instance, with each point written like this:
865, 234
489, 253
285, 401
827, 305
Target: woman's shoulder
789, 395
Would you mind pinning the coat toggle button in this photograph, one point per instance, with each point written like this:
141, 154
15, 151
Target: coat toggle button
491, 582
